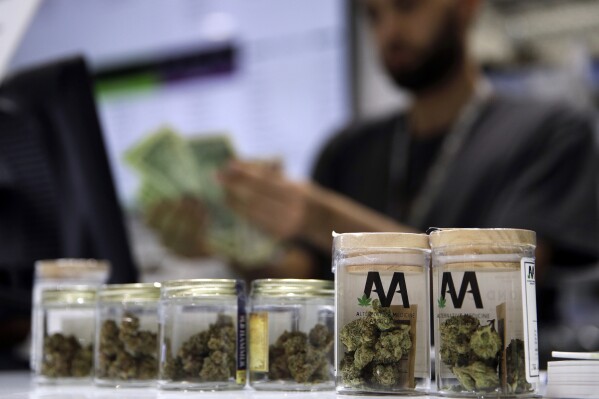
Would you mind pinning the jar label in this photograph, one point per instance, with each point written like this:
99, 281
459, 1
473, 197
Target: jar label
529, 309
259, 341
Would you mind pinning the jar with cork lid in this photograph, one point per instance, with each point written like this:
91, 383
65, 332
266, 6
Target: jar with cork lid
485, 312
382, 313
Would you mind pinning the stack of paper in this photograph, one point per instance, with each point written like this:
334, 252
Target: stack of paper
578, 378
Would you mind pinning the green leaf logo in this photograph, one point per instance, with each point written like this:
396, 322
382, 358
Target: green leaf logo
441, 302
364, 301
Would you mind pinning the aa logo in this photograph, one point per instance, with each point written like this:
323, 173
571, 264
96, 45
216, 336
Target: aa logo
398, 285
531, 271
469, 286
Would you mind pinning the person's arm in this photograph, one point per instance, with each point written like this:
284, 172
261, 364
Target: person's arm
292, 210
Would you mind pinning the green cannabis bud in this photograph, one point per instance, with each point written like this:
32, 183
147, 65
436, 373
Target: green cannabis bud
471, 351
516, 368
208, 355
304, 358
64, 356
126, 352
375, 345
477, 376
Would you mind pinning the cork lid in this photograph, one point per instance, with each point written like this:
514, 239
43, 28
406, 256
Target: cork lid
380, 240
455, 237
72, 268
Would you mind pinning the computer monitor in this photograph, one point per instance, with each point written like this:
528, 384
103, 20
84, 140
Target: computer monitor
57, 197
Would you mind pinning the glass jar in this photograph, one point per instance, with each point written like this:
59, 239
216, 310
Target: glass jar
485, 312
64, 338
62, 273
126, 345
291, 327
382, 313
202, 335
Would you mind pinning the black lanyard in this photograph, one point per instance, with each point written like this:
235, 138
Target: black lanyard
454, 141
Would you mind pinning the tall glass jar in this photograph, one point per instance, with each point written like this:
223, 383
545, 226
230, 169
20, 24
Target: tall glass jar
291, 326
64, 338
126, 346
382, 313
202, 335
58, 273
485, 312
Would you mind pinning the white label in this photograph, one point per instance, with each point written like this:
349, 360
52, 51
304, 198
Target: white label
529, 309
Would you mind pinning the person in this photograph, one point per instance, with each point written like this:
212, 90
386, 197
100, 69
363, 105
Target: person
462, 155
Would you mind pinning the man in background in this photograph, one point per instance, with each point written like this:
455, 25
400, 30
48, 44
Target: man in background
462, 155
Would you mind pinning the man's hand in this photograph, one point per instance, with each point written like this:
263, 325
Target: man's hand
261, 193
289, 209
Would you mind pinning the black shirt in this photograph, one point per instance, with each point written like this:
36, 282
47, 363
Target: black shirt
525, 164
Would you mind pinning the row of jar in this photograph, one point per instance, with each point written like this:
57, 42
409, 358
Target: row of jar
370, 333
188, 334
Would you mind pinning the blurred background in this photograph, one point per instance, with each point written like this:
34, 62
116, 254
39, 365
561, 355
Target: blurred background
278, 78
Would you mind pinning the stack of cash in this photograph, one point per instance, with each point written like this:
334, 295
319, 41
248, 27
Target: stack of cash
181, 199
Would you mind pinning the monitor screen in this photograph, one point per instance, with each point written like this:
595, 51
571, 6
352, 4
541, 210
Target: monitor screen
273, 74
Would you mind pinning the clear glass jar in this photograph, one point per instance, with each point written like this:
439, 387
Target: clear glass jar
291, 326
59, 273
64, 338
485, 312
382, 313
126, 345
202, 335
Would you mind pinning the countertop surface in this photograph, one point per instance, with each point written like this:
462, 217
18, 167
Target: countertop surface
20, 385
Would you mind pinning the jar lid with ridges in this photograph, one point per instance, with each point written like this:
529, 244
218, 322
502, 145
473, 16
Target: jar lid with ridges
73, 295
292, 288
200, 287
492, 237
71, 268
351, 241
138, 292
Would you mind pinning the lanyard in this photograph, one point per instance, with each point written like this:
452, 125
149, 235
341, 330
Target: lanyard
451, 146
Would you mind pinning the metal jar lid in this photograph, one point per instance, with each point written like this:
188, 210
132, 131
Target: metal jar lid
200, 288
78, 295
292, 288
139, 292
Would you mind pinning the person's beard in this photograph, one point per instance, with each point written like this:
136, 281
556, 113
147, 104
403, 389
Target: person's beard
437, 63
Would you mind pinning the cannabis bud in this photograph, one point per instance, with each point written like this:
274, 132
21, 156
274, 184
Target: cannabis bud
64, 356
126, 352
305, 358
375, 345
208, 355
471, 351
516, 368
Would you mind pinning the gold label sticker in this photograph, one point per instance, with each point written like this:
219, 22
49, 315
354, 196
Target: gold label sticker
241, 377
258, 336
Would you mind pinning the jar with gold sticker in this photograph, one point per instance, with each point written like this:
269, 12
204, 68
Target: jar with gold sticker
202, 335
291, 324
382, 313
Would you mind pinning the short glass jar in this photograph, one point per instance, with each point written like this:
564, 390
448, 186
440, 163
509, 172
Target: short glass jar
126, 343
202, 335
382, 313
485, 312
57, 273
291, 325
65, 335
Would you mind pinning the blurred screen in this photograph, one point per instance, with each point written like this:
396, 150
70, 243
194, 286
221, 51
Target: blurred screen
273, 74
